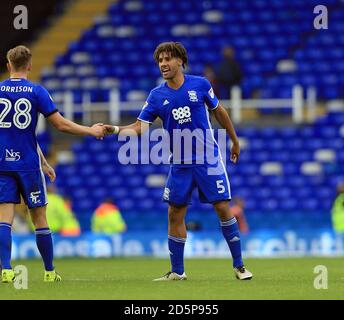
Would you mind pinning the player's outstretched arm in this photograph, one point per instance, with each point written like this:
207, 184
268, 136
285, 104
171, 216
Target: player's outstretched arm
224, 120
64, 125
47, 169
136, 128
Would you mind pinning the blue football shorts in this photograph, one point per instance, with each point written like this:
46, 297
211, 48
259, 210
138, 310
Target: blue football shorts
30, 184
212, 184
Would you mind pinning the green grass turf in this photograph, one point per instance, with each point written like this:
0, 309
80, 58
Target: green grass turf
131, 279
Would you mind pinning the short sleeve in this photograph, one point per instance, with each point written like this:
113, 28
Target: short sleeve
149, 110
209, 96
46, 105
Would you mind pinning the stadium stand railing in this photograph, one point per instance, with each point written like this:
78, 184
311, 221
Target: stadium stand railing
114, 107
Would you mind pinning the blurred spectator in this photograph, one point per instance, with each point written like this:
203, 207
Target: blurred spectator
338, 210
228, 73
237, 210
209, 73
59, 214
108, 219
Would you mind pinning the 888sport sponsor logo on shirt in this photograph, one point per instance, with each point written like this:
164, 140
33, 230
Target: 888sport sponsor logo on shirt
182, 114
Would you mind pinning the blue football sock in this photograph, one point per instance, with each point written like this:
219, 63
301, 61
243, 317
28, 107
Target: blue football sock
231, 233
176, 248
45, 246
5, 245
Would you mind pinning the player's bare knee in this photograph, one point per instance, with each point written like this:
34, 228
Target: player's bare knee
174, 219
7, 212
176, 214
222, 209
38, 217
221, 205
39, 222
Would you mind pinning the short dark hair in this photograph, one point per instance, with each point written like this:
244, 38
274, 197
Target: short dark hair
176, 49
19, 57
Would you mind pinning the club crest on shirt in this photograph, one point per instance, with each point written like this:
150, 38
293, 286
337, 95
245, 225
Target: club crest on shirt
211, 93
193, 96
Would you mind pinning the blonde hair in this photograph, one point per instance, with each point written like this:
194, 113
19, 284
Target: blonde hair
19, 57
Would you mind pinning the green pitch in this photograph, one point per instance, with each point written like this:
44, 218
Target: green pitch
208, 279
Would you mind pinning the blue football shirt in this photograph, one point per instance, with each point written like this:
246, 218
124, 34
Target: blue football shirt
185, 116
21, 101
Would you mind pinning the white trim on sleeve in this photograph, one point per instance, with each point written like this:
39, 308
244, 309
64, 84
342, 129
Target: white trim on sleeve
144, 121
218, 103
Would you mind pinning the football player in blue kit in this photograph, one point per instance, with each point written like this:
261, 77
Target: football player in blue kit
183, 102
22, 164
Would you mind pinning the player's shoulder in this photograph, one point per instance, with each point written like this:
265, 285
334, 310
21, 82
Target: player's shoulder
40, 90
198, 79
194, 77
36, 86
158, 90
197, 82
3, 82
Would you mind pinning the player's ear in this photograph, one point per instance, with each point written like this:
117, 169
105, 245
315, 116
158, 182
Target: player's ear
29, 67
180, 62
8, 67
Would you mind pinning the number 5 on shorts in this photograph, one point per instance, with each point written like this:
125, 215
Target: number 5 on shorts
221, 188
